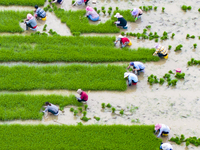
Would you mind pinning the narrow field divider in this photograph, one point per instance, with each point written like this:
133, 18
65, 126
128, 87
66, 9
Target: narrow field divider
101, 137
22, 2
71, 77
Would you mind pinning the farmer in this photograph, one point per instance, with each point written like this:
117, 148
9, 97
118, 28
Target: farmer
166, 146
136, 13
83, 96
123, 40
40, 13
92, 14
51, 108
121, 21
31, 22
132, 78
137, 66
163, 129
80, 2
58, 1
161, 51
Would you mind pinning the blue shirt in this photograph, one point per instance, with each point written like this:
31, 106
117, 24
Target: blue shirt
138, 65
132, 77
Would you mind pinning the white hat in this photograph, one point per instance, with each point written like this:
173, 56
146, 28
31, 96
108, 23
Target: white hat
166, 146
118, 15
156, 45
79, 91
119, 37
126, 74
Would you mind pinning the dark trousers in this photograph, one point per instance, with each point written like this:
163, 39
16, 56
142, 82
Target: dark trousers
86, 2
28, 25
161, 55
52, 112
81, 100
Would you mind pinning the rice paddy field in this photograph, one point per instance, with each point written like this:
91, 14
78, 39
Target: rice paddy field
68, 52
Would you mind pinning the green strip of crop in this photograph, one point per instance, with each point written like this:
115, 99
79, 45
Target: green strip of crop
90, 137
21, 106
9, 20
71, 77
22, 2
42, 48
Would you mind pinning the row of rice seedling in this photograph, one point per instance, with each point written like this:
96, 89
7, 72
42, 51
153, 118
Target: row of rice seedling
9, 20
21, 106
77, 49
71, 77
22, 2
101, 137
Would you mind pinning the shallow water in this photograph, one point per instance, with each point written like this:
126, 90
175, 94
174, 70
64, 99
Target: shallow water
177, 106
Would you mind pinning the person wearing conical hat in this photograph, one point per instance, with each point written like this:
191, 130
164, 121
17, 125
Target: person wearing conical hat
161, 51
137, 13
166, 146
163, 129
132, 78
124, 41
83, 96
121, 21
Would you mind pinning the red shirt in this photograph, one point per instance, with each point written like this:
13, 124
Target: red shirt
124, 40
84, 96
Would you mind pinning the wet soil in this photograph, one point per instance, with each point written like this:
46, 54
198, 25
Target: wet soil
177, 107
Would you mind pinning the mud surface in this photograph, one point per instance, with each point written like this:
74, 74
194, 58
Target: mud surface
177, 107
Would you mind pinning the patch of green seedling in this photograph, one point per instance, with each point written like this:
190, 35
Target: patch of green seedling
75, 112
135, 121
103, 105
133, 109
150, 7
113, 109
155, 8
45, 8
152, 79
165, 36
85, 106
76, 33
84, 118
80, 123
178, 140
193, 62
80, 109
184, 7
163, 9
173, 34
121, 112
71, 109
104, 12
22, 2
84, 113
97, 118
109, 12
193, 37
122, 33
95, 8
189, 7
169, 47
102, 8
171, 72
110, 8
178, 47
98, 11
109, 105
199, 9
187, 36
73, 1
161, 82
180, 75
51, 32
148, 27
45, 26
195, 45
117, 8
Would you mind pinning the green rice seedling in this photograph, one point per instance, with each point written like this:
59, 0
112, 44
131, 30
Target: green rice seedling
173, 82
48, 6
145, 8
187, 36
61, 108
178, 47
84, 118
144, 31
127, 34
102, 8
187, 143
180, 75
109, 105
75, 112
150, 7
122, 33
84, 113
103, 105
195, 45
85, 106
189, 63
163, 9
155, 8
73, 1
98, 11
156, 40
184, 7
189, 7
135, 121
109, 12
117, 8
171, 72
173, 34
162, 81
192, 37
40, 134
110, 8
167, 75
169, 83
51, 9
148, 27
104, 12
45, 8
192, 60
80, 109
71, 109
76, 33
97, 118
95, 8
169, 47
113, 109
44, 28
79, 123
121, 112
22, 2
199, 9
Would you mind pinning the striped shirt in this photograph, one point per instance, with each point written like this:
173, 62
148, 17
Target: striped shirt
41, 13
161, 50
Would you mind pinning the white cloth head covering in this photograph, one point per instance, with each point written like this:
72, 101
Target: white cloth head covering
118, 15
166, 146
119, 37
126, 74
156, 45
79, 91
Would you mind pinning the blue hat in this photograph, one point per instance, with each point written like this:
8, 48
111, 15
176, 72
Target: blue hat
131, 64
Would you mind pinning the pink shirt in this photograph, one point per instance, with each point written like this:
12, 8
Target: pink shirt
94, 14
84, 96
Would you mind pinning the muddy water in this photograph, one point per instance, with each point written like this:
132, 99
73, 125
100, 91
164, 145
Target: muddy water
177, 106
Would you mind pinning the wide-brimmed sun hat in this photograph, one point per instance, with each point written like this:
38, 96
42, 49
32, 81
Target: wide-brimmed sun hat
88, 8
158, 126
117, 15
79, 91
134, 11
29, 16
156, 45
126, 74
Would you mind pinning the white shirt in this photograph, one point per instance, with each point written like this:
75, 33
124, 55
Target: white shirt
163, 128
166, 146
138, 65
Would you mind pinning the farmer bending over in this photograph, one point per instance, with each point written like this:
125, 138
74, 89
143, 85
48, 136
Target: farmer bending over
137, 66
166, 146
31, 22
121, 21
51, 108
123, 40
92, 14
80, 2
83, 96
39, 13
136, 13
163, 129
132, 78
161, 51
58, 1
